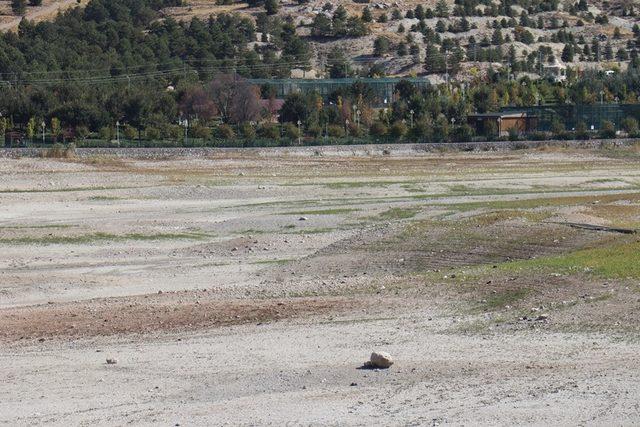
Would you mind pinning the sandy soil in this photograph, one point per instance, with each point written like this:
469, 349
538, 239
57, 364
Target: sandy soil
249, 290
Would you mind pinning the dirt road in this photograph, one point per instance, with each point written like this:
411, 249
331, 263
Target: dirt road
242, 289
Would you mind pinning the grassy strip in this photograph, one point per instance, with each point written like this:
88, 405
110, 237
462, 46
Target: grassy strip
397, 214
615, 261
335, 211
99, 237
64, 190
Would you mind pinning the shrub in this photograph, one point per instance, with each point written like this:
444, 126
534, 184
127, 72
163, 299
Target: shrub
398, 129
130, 132
378, 129
290, 131
105, 133
247, 130
514, 135
463, 133
152, 133
607, 130
491, 130
335, 131
538, 136
202, 132
581, 131
60, 151
315, 131
630, 125
82, 132
170, 131
269, 130
225, 131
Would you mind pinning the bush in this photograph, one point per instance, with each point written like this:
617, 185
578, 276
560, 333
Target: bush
491, 130
201, 132
290, 131
60, 151
269, 130
170, 131
247, 130
463, 133
581, 131
538, 136
378, 129
152, 133
398, 129
225, 132
630, 125
335, 131
514, 135
130, 132
315, 131
607, 130
422, 130
105, 133
82, 132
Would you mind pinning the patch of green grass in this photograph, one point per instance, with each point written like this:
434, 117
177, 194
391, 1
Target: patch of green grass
100, 237
44, 226
397, 214
336, 211
360, 184
273, 261
250, 231
318, 230
104, 198
64, 190
493, 217
542, 202
614, 261
503, 298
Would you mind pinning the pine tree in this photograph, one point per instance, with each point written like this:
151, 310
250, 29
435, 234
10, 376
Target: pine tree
567, 53
442, 9
366, 15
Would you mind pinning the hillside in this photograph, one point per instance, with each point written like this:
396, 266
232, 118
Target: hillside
433, 37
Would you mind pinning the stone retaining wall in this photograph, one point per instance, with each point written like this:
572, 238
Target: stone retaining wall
327, 150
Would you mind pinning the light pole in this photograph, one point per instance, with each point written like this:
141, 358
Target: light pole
411, 114
118, 132
299, 133
601, 97
186, 131
346, 126
43, 125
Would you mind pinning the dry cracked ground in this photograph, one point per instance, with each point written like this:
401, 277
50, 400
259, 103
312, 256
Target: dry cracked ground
248, 289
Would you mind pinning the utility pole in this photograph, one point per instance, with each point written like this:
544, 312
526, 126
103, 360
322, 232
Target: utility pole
118, 132
44, 127
540, 61
186, 131
446, 66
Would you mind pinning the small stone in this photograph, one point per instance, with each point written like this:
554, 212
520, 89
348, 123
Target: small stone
353, 384
111, 361
542, 318
380, 359
303, 218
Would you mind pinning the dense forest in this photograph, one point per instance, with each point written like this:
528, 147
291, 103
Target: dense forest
124, 61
